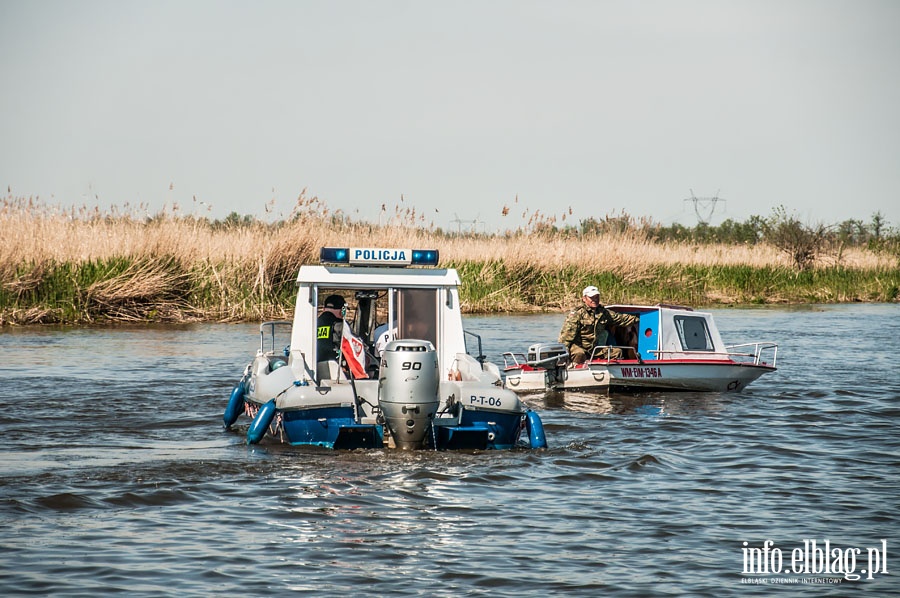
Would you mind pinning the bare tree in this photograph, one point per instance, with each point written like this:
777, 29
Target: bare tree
803, 243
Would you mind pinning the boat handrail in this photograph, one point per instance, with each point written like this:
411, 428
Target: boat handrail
512, 360
480, 357
269, 326
756, 357
695, 353
757, 354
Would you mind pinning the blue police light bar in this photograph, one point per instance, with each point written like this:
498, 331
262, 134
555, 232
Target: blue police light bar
373, 256
334, 255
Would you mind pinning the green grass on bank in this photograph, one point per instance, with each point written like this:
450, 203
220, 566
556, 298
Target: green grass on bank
167, 289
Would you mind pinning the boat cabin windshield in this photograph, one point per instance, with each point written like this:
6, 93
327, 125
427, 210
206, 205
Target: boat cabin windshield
417, 314
404, 313
693, 333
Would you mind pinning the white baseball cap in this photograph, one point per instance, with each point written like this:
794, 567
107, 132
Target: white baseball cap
590, 291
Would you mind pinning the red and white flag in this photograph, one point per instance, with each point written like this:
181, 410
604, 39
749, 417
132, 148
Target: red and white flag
354, 352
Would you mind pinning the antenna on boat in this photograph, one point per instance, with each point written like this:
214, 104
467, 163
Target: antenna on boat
705, 206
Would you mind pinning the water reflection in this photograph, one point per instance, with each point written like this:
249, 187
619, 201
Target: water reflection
655, 404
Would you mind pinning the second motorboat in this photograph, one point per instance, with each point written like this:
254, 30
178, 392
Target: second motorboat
670, 348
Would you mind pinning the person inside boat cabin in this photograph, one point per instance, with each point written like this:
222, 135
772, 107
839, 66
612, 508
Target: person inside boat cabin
328, 329
586, 327
383, 335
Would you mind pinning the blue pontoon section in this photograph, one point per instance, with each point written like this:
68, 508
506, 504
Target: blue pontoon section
480, 430
330, 427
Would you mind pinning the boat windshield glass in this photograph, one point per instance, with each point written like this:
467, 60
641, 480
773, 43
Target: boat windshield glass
417, 314
694, 333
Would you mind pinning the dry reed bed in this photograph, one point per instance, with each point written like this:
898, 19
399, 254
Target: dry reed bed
37, 238
182, 268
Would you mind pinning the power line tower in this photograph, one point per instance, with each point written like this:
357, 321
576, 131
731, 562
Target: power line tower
704, 207
472, 224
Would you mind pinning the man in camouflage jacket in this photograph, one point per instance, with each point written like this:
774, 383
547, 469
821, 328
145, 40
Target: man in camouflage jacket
586, 327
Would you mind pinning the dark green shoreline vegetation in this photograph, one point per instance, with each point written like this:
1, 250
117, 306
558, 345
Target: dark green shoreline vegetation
164, 290
61, 267
520, 290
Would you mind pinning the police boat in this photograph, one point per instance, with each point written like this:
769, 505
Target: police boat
670, 348
397, 369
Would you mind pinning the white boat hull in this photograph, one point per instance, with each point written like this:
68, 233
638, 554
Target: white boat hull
640, 377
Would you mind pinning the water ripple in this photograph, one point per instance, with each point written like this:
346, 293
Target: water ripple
120, 478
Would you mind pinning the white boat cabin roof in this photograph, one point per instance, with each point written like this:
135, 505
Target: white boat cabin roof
352, 276
675, 332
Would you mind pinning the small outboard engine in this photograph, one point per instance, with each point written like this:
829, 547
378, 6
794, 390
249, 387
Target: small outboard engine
547, 355
408, 395
553, 357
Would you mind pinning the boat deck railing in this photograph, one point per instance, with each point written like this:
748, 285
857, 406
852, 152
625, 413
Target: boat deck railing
272, 330
480, 356
759, 355
513, 360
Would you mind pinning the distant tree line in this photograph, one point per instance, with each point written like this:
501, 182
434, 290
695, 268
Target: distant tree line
756, 229
802, 242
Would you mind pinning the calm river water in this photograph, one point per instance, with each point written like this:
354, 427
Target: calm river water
116, 477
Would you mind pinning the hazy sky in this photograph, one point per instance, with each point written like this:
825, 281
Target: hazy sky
598, 106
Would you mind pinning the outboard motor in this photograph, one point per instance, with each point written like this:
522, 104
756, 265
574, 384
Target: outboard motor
547, 355
408, 385
553, 357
